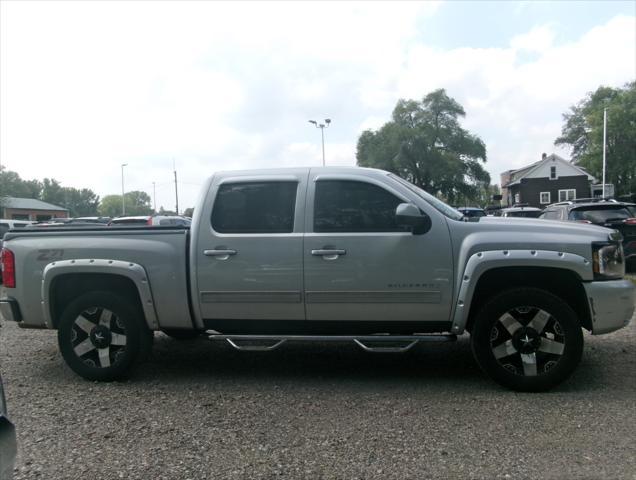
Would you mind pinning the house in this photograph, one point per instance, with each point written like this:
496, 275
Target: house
30, 209
552, 179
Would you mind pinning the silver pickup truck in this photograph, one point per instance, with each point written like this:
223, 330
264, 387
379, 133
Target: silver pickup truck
323, 254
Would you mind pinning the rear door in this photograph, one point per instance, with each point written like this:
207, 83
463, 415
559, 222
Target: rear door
361, 266
249, 248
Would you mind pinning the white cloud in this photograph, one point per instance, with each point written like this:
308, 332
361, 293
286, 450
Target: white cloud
539, 39
86, 86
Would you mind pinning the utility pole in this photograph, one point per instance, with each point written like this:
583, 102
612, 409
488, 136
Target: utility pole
154, 197
123, 196
322, 127
604, 143
176, 192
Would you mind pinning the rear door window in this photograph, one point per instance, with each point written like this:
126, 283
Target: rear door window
255, 207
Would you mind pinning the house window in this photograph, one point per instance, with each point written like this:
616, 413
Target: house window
568, 194
552, 173
544, 198
517, 198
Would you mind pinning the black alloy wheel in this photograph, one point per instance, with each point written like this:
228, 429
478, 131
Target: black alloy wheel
527, 339
101, 335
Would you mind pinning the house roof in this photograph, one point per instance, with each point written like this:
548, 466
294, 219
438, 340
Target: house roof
30, 204
525, 172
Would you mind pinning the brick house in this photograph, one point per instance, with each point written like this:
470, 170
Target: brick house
552, 179
14, 208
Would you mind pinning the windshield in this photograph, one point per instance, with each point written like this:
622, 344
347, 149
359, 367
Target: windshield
436, 203
600, 215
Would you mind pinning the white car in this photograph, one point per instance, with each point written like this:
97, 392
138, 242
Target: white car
153, 220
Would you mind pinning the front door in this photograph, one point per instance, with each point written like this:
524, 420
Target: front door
249, 249
361, 266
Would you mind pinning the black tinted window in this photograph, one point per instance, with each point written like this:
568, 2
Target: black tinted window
600, 214
348, 206
255, 207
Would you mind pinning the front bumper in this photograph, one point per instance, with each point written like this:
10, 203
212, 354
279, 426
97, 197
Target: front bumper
611, 304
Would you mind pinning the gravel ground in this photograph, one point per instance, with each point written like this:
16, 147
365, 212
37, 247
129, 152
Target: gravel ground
200, 410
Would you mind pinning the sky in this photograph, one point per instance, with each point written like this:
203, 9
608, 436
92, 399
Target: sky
208, 86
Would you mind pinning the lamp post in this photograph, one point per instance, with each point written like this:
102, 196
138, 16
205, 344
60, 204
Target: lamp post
604, 143
123, 197
322, 127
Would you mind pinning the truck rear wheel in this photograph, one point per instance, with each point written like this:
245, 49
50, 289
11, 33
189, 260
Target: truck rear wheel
527, 339
101, 335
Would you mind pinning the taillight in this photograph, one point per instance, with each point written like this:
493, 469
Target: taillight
630, 221
149, 221
7, 259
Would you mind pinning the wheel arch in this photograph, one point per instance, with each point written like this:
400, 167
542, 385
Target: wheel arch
488, 273
66, 280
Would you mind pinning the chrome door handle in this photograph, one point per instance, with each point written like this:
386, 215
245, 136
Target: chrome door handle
328, 252
219, 253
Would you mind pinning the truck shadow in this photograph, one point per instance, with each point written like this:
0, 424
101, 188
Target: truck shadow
300, 361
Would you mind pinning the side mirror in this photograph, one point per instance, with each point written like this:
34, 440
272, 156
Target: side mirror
408, 215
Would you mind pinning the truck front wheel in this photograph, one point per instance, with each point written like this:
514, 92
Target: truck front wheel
527, 339
101, 335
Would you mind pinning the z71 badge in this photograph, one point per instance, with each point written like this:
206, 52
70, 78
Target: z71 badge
49, 255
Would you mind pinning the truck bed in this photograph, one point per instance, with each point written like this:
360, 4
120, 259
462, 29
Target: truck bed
161, 250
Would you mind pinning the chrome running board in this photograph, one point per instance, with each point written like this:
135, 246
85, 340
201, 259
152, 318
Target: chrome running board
369, 343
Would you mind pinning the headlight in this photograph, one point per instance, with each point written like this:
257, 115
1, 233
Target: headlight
608, 260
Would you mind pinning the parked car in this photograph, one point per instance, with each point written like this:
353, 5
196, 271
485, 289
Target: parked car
90, 220
7, 224
493, 210
472, 212
520, 211
599, 211
324, 254
162, 220
8, 442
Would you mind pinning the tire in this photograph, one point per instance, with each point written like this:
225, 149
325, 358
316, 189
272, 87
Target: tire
181, 334
102, 335
527, 339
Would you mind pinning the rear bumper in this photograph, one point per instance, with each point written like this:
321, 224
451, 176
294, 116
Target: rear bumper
10, 310
611, 304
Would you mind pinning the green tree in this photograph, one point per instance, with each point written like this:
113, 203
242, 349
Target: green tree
11, 185
425, 144
79, 202
137, 203
583, 132
188, 212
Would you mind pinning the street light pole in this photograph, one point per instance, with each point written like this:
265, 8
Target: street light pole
123, 196
604, 143
322, 127
154, 197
